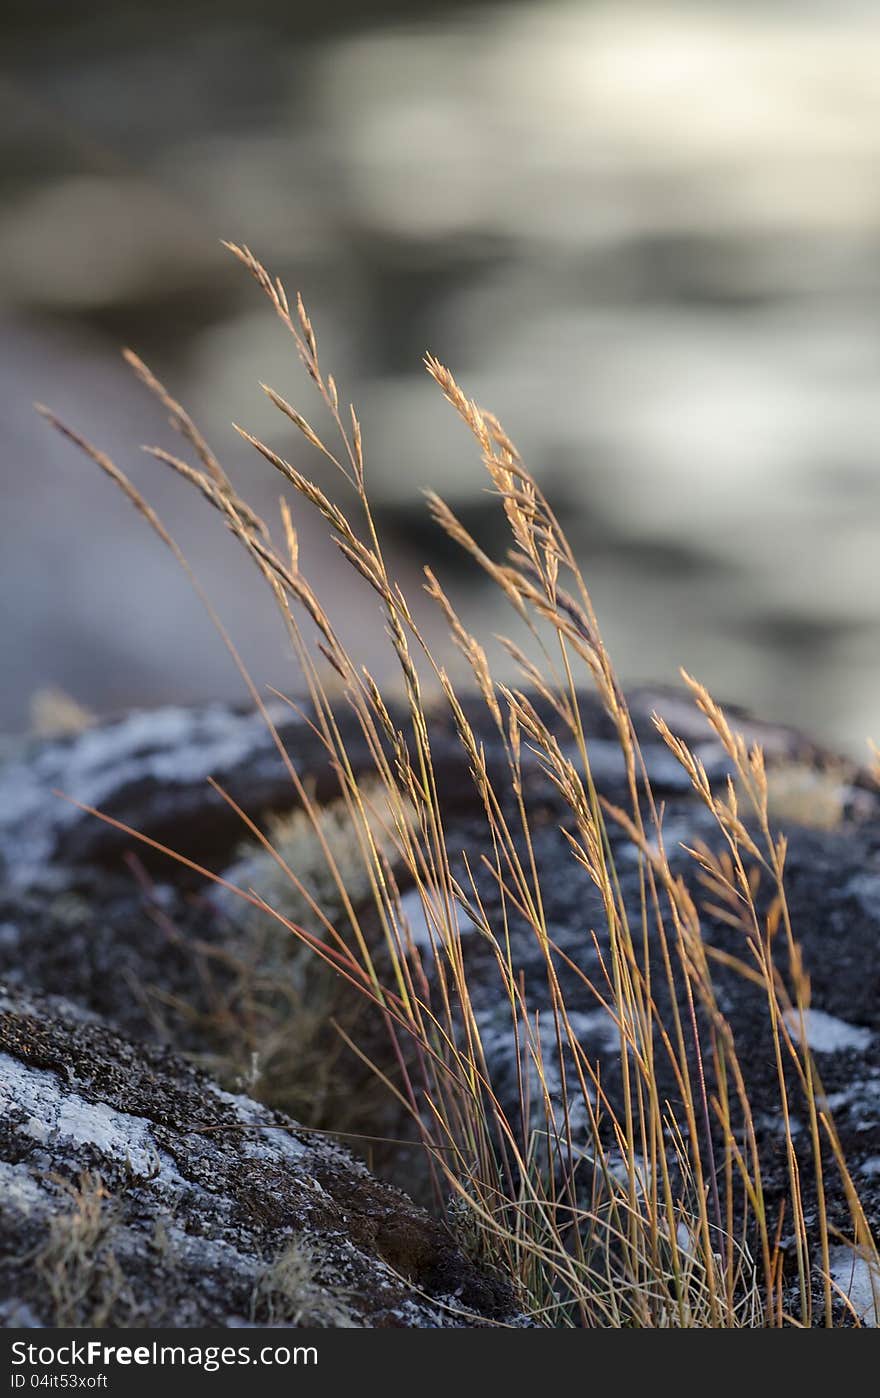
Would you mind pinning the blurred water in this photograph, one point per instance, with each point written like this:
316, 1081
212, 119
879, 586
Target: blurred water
646, 235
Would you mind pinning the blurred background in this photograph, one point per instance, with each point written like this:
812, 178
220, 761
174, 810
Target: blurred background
646, 234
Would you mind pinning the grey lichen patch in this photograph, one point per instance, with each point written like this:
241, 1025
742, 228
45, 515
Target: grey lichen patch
856, 1278
149, 769
51, 1116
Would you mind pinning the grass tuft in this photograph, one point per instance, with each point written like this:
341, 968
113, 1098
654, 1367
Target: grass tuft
77, 1264
289, 1293
606, 1199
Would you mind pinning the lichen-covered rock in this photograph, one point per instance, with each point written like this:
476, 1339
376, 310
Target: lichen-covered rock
103, 1134
149, 770
134, 1191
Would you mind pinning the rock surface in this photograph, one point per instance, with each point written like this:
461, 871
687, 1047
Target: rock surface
103, 1121
135, 1191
